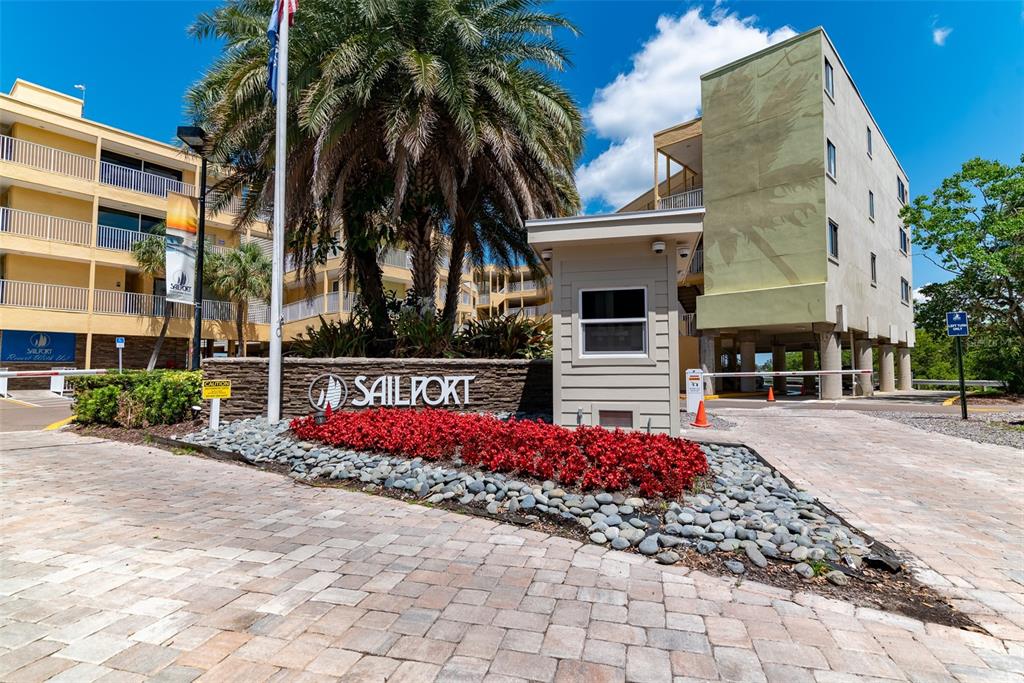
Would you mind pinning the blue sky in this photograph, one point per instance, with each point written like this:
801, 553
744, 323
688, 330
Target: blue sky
937, 104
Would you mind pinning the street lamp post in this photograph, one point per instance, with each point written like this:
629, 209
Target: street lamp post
195, 138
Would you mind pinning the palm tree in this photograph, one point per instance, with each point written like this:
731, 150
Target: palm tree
241, 274
394, 106
149, 254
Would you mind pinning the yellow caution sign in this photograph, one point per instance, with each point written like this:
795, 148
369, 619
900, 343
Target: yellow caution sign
216, 388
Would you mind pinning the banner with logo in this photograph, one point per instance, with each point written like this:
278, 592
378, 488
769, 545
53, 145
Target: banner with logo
180, 257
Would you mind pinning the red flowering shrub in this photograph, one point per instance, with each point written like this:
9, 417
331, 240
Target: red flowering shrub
590, 457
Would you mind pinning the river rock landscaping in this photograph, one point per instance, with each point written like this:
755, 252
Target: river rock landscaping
740, 509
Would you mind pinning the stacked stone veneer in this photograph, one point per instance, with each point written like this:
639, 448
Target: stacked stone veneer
499, 385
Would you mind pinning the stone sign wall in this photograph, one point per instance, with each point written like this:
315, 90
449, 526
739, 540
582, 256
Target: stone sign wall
490, 385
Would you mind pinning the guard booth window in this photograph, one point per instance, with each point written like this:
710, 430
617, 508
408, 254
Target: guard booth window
613, 321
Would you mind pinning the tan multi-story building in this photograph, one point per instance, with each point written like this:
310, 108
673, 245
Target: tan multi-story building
75, 196
511, 292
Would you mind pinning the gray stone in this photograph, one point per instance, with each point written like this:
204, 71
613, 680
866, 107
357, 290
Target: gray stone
598, 537
667, 557
649, 546
756, 557
705, 547
805, 570
735, 566
620, 543
838, 578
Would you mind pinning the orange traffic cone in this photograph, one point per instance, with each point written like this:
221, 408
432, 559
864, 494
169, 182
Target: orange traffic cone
771, 394
702, 418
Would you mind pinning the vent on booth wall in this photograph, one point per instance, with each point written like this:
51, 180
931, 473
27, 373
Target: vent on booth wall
612, 419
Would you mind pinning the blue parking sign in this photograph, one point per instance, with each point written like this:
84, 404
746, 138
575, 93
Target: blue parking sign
956, 324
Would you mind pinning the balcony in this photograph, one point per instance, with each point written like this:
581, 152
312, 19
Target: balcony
697, 262
524, 286
48, 297
46, 158
43, 227
688, 324
108, 302
140, 181
322, 304
691, 199
483, 300
397, 258
530, 311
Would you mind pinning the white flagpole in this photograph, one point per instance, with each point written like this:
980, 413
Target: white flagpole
277, 277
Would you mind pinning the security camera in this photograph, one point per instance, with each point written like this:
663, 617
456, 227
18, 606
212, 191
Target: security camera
658, 247
546, 254
684, 252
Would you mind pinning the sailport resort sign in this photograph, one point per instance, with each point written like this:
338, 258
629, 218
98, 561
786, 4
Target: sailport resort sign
332, 390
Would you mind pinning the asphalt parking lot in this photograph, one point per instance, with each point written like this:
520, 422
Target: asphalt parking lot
31, 409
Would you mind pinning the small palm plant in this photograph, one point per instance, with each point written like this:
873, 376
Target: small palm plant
149, 256
241, 274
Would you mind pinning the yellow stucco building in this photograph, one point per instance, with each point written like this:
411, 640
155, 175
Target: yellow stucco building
75, 196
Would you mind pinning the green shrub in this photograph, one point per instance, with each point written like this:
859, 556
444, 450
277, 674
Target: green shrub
508, 336
136, 399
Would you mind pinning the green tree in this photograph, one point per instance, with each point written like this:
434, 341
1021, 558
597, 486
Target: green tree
241, 274
149, 254
974, 222
405, 116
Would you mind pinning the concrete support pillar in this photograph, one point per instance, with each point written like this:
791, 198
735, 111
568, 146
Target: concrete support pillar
903, 354
779, 365
863, 360
708, 361
748, 349
810, 383
730, 356
886, 371
831, 359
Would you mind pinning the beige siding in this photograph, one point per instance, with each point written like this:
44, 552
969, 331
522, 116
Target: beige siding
646, 385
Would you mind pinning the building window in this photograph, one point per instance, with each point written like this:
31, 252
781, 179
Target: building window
871, 205
833, 239
904, 241
830, 80
613, 321
615, 419
870, 142
904, 291
901, 190
874, 270
830, 159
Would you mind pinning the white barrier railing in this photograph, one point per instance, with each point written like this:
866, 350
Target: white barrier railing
140, 181
691, 199
66, 372
46, 158
118, 239
45, 227
38, 295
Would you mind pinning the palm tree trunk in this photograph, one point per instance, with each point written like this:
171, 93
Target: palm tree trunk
160, 338
371, 291
239, 318
452, 290
424, 265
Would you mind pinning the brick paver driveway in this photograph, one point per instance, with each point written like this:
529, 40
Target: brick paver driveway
124, 563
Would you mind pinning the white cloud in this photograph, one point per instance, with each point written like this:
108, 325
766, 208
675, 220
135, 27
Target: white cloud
661, 89
939, 35
918, 296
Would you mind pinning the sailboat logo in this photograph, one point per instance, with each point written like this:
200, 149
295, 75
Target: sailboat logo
327, 390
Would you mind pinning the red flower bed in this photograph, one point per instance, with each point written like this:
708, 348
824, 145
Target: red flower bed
590, 457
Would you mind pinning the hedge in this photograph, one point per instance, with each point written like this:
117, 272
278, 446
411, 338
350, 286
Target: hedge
136, 398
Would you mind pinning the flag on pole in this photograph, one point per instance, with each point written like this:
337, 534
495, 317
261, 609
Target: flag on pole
272, 28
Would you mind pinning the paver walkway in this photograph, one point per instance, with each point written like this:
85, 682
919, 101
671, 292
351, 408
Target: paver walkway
123, 563
955, 507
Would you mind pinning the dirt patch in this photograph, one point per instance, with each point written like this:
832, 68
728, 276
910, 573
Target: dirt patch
137, 436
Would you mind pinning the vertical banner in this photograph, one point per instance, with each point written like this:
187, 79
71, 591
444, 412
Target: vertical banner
180, 257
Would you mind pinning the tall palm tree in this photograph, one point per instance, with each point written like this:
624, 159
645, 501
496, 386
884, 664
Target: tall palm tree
405, 99
149, 254
241, 274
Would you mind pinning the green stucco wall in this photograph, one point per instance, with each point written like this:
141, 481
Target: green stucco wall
764, 187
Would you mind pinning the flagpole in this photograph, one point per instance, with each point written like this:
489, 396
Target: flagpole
277, 277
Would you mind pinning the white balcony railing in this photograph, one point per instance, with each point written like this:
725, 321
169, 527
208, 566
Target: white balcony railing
114, 302
39, 295
524, 286
691, 199
44, 227
688, 324
483, 300
530, 311
466, 299
397, 258
697, 262
140, 181
46, 158
118, 239
320, 304
259, 312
